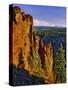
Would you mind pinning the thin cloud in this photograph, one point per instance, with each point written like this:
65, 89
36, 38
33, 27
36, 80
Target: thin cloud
58, 23
40, 22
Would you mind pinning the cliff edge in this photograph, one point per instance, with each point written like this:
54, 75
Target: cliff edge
27, 50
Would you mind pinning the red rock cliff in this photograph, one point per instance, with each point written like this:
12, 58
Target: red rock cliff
24, 41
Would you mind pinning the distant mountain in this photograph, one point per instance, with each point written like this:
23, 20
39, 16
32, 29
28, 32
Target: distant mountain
49, 28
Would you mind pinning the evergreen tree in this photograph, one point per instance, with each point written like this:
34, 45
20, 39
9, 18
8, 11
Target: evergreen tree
60, 65
36, 64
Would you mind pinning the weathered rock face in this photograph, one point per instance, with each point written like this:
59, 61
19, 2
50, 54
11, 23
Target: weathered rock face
49, 60
20, 36
24, 41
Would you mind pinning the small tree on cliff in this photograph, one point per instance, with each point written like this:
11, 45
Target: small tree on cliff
59, 65
36, 64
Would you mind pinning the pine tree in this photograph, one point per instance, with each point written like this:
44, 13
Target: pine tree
60, 65
36, 64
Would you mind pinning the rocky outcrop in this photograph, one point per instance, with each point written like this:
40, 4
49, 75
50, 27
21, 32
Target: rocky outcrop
21, 25
49, 60
24, 41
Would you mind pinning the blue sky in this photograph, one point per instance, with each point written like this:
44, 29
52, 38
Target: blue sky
45, 15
